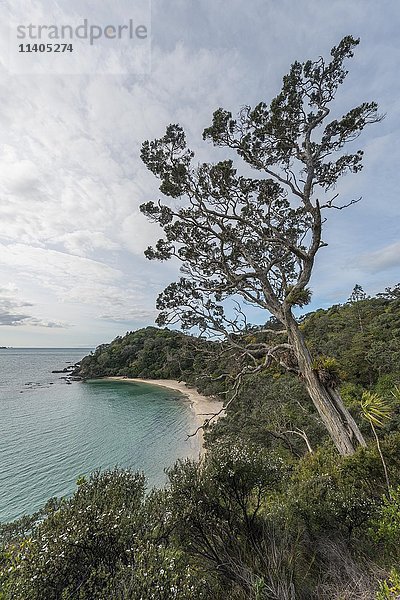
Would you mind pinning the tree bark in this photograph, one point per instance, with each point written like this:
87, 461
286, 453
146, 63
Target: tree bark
341, 426
355, 431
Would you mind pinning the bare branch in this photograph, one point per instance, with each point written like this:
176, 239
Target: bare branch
330, 204
303, 435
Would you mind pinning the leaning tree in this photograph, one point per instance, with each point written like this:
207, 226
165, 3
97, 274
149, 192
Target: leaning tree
256, 238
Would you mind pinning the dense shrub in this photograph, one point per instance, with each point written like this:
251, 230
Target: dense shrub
335, 495
107, 541
267, 412
385, 528
218, 508
271, 512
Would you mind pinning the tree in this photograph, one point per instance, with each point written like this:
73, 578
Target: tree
256, 238
109, 540
390, 293
356, 296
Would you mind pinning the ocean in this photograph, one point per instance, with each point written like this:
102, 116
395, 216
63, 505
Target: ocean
52, 432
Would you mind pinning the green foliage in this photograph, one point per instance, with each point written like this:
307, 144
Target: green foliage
375, 409
396, 394
386, 387
80, 542
150, 353
363, 336
219, 521
386, 526
389, 589
280, 530
351, 393
332, 496
298, 297
335, 497
107, 532
159, 574
328, 369
244, 523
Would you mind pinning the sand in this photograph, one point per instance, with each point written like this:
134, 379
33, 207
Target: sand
202, 406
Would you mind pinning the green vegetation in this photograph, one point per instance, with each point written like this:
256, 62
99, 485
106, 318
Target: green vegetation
298, 496
272, 512
107, 541
363, 335
150, 353
256, 238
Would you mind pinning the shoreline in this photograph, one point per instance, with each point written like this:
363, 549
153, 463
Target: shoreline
201, 405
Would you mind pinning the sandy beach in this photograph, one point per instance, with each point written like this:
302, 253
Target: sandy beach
202, 406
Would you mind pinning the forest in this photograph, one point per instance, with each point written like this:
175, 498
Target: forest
272, 511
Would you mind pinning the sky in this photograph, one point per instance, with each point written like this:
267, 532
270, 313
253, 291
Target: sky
72, 270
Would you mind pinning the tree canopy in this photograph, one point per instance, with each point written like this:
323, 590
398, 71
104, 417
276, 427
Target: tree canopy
256, 238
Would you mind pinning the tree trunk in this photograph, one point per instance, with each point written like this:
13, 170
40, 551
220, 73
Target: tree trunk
341, 426
355, 431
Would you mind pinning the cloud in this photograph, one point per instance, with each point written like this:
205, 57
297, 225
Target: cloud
71, 234
83, 243
73, 175
137, 315
383, 259
137, 233
52, 265
13, 314
33, 322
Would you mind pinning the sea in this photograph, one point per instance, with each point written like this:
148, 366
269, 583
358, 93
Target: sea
53, 431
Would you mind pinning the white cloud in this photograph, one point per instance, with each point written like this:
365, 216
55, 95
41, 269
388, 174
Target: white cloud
383, 259
63, 268
137, 314
72, 179
137, 233
85, 242
15, 312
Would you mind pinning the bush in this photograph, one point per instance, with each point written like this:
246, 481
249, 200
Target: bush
333, 495
221, 521
107, 541
385, 527
389, 589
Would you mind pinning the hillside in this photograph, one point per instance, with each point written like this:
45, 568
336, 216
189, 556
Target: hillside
149, 352
272, 511
363, 336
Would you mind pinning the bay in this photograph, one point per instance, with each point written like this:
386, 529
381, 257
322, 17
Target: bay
51, 432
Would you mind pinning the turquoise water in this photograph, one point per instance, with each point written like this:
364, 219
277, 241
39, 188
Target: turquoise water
51, 432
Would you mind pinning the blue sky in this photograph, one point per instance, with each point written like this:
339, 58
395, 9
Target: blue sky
72, 271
